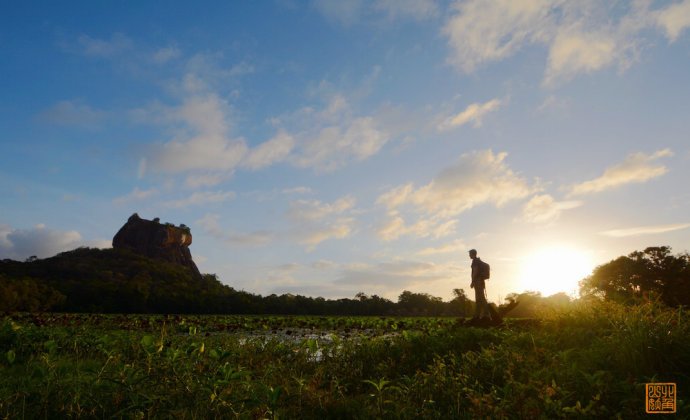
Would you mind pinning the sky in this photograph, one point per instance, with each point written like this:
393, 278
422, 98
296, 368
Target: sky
331, 147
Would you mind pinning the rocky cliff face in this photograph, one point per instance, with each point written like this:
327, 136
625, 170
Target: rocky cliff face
155, 240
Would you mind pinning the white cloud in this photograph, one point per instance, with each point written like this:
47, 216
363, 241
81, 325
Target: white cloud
576, 52
39, 241
636, 168
203, 138
332, 135
315, 210
73, 113
544, 209
674, 19
272, 151
316, 222
644, 230
474, 113
332, 147
482, 31
202, 198
581, 36
396, 227
340, 228
477, 178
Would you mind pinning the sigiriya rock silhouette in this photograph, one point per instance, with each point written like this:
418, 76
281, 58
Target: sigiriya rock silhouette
156, 240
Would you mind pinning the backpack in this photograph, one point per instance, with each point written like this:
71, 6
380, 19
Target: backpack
484, 270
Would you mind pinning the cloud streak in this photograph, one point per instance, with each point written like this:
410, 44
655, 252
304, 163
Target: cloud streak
644, 230
474, 114
636, 168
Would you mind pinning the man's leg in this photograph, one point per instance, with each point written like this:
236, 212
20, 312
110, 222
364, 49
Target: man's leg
482, 304
478, 295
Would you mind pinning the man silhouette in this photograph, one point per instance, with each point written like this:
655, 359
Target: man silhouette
481, 309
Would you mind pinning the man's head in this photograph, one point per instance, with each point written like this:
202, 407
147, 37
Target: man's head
473, 253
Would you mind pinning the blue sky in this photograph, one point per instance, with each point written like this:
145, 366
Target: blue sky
330, 147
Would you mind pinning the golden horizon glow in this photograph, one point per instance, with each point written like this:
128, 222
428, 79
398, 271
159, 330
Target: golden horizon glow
554, 269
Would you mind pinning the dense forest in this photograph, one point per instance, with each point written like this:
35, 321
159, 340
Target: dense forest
120, 281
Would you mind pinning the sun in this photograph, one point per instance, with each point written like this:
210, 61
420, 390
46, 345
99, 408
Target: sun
555, 269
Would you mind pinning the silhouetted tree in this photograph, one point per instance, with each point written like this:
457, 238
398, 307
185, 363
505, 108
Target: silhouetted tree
632, 278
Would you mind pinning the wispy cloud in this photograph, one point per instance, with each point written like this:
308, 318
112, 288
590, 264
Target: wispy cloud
636, 168
545, 209
482, 31
204, 180
329, 138
315, 221
644, 230
674, 19
202, 198
272, 151
202, 141
455, 247
581, 37
166, 54
297, 190
396, 227
474, 114
315, 210
136, 194
339, 228
477, 178
75, 113
103, 48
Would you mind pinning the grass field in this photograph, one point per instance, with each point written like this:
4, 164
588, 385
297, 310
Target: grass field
588, 361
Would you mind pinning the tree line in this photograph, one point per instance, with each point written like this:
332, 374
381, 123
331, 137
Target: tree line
120, 281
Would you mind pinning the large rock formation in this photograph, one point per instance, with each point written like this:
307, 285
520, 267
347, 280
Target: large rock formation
155, 240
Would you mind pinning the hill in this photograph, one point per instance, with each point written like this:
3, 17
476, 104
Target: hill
108, 280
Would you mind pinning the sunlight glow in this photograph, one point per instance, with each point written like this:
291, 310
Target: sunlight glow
555, 269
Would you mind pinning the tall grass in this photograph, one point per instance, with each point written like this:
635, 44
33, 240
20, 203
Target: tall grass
590, 360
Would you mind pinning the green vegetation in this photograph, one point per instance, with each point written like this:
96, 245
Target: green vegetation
120, 281
591, 360
641, 274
